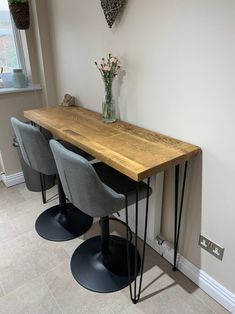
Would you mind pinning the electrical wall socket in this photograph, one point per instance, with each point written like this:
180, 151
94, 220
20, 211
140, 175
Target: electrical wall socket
211, 247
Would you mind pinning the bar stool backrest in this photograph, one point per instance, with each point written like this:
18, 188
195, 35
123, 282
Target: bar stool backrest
34, 148
82, 185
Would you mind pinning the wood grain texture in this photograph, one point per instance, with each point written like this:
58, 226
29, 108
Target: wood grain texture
134, 151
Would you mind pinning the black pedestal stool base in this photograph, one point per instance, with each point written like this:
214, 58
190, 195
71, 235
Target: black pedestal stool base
56, 225
103, 273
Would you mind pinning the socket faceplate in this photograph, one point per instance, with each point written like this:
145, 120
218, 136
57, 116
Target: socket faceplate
211, 247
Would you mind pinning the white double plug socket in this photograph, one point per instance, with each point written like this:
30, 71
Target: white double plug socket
211, 247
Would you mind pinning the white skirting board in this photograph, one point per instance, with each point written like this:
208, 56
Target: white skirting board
12, 179
213, 288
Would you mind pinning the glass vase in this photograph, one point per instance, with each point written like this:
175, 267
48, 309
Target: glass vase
108, 105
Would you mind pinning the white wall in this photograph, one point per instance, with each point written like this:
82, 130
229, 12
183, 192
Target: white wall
179, 77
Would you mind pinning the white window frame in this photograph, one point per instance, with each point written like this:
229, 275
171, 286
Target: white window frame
19, 47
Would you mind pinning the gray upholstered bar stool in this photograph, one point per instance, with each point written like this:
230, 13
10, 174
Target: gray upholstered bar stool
100, 263
61, 222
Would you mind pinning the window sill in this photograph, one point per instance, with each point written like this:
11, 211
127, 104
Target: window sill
13, 90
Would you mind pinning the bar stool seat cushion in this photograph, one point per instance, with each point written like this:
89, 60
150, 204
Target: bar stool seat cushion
34, 148
78, 177
121, 183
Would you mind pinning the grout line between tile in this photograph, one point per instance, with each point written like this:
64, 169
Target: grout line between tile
3, 290
52, 295
48, 271
209, 306
21, 286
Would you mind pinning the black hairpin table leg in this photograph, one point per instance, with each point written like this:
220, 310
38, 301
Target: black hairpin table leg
134, 291
178, 215
43, 187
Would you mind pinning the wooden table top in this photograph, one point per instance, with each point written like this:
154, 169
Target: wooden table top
134, 151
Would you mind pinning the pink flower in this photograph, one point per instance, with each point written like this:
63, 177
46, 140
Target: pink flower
106, 68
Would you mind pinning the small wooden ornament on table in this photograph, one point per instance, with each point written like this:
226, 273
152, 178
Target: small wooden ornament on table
68, 101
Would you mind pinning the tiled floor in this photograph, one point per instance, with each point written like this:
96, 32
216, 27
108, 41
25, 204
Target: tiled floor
35, 274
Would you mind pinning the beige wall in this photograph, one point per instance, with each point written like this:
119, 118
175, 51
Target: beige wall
43, 50
178, 78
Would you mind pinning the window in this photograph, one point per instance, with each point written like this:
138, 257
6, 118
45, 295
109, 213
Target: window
11, 55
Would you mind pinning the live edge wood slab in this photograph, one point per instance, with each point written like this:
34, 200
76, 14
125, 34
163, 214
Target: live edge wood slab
134, 151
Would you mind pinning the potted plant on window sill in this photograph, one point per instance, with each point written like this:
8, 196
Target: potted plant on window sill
20, 12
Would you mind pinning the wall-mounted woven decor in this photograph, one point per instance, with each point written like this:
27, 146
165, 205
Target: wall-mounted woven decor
111, 9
